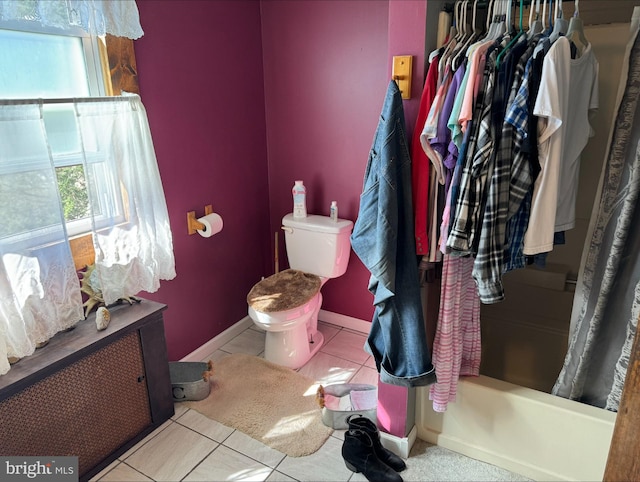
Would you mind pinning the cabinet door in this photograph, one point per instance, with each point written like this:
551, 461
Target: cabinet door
87, 409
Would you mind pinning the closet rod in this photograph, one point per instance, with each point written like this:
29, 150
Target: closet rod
481, 4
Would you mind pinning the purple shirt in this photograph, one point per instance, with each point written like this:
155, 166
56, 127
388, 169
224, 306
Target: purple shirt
440, 143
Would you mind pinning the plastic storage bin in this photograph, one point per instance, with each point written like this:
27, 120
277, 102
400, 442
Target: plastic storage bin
341, 400
190, 380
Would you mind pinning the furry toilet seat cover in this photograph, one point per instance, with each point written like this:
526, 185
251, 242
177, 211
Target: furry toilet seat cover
283, 291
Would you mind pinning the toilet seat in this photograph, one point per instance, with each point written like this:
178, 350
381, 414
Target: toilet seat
286, 290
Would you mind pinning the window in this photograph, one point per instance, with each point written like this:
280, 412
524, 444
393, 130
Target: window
80, 162
51, 65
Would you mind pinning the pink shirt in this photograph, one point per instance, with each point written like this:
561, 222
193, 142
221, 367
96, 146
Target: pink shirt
476, 72
456, 347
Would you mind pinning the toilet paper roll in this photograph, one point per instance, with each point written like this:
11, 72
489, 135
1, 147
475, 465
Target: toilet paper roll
212, 225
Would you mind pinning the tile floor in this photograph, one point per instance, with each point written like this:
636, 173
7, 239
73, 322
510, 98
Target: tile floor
191, 447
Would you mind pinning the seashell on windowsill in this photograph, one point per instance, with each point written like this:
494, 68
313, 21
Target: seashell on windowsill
103, 317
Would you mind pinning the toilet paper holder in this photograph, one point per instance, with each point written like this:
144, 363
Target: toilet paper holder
193, 224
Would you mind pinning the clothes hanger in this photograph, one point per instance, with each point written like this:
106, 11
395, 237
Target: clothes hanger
475, 33
544, 44
462, 37
549, 28
464, 10
458, 17
513, 40
544, 15
489, 12
490, 26
453, 31
507, 15
535, 26
499, 20
560, 25
454, 37
576, 27
494, 18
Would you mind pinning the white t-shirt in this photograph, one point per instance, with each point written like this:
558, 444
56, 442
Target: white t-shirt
567, 97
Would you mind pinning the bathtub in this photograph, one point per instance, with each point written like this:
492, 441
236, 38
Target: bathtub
507, 416
527, 431
518, 428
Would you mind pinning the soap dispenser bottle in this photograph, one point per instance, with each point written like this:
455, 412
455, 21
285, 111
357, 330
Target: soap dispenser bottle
299, 200
334, 211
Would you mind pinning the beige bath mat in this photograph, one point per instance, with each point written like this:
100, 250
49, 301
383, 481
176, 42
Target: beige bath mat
268, 402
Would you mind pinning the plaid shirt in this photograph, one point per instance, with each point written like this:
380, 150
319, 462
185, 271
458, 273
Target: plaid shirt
463, 222
488, 265
518, 116
522, 174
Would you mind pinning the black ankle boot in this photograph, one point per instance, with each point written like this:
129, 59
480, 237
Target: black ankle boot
385, 455
360, 456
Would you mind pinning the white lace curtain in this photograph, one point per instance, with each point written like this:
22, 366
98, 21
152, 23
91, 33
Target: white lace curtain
96, 17
39, 287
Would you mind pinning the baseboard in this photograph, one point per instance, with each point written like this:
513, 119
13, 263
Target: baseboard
219, 340
227, 335
345, 321
399, 446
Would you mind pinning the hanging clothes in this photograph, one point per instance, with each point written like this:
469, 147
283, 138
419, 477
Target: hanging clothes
456, 347
478, 167
490, 154
487, 268
383, 239
420, 163
567, 99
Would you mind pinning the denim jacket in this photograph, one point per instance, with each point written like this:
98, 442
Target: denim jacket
383, 239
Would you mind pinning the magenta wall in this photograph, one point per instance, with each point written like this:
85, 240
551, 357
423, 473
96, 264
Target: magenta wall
243, 98
407, 33
325, 77
200, 73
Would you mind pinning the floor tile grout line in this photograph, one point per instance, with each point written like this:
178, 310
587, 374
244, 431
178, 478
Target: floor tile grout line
253, 458
200, 463
200, 433
232, 448
131, 467
145, 440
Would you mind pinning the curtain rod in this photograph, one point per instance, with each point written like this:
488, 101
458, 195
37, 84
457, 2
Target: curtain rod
69, 100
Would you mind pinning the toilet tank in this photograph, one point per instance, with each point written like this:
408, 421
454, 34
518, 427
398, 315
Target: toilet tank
317, 244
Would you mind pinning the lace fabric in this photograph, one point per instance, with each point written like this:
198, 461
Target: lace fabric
39, 287
96, 17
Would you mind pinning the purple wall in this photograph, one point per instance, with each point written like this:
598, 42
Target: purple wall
245, 97
407, 32
325, 77
200, 73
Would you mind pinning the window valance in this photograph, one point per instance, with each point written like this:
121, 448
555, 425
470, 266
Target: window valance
96, 17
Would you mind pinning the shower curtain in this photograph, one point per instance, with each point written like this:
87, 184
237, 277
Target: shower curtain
607, 300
